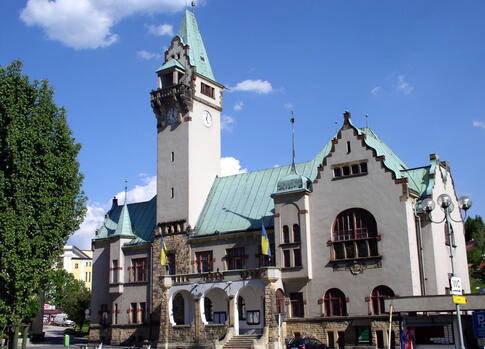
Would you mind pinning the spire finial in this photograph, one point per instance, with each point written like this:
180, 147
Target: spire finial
292, 120
366, 118
126, 189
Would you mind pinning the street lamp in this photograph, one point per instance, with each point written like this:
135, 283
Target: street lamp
445, 203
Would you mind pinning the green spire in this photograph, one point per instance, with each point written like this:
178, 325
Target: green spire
190, 35
124, 222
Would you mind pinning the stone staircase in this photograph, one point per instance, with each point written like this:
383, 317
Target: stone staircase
242, 342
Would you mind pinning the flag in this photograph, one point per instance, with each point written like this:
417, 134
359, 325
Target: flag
264, 242
163, 252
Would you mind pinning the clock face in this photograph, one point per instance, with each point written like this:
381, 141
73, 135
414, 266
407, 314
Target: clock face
207, 118
172, 116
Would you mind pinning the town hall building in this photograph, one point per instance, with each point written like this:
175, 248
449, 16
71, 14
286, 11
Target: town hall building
346, 231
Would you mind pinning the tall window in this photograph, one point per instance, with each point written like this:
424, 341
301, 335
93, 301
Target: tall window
280, 301
335, 303
287, 258
115, 314
114, 271
143, 311
171, 263
354, 235
286, 234
138, 269
296, 233
296, 301
378, 295
103, 314
133, 312
203, 261
235, 258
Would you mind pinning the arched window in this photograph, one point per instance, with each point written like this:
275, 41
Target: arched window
280, 301
335, 303
354, 235
179, 309
378, 295
286, 234
296, 233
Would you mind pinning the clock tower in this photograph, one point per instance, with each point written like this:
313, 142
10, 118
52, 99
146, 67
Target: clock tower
187, 104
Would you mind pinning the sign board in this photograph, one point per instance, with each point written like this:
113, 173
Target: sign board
456, 288
479, 323
459, 299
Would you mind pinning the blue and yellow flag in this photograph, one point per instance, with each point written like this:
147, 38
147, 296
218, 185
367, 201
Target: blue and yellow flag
264, 241
163, 252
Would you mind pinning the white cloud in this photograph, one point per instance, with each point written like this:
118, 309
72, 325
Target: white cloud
231, 166
404, 86
160, 30
87, 24
96, 211
148, 55
227, 123
376, 90
479, 124
288, 106
258, 86
93, 220
238, 106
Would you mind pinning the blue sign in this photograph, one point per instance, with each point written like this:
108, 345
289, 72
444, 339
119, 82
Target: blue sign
479, 324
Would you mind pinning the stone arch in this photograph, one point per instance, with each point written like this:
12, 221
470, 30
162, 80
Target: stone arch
250, 309
182, 308
214, 306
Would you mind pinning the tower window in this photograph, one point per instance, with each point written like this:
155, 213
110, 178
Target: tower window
172, 157
348, 148
172, 193
207, 90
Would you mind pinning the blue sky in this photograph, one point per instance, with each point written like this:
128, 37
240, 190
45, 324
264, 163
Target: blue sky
416, 68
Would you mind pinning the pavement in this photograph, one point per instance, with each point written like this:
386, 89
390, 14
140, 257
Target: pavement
54, 338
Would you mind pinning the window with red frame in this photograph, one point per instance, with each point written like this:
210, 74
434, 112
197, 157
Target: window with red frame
354, 235
207, 90
378, 295
296, 301
335, 303
235, 258
203, 261
138, 269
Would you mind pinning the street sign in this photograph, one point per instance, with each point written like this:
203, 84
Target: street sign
459, 299
456, 288
479, 323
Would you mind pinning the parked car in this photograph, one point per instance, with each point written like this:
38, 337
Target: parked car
304, 343
62, 320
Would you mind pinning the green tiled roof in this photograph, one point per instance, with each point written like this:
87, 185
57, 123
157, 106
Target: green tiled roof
171, 63
143, 220
239, 202
190, 35
123, 228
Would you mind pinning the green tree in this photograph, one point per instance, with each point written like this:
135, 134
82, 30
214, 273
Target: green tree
68, 294
75, 305
472, 226
41, 201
